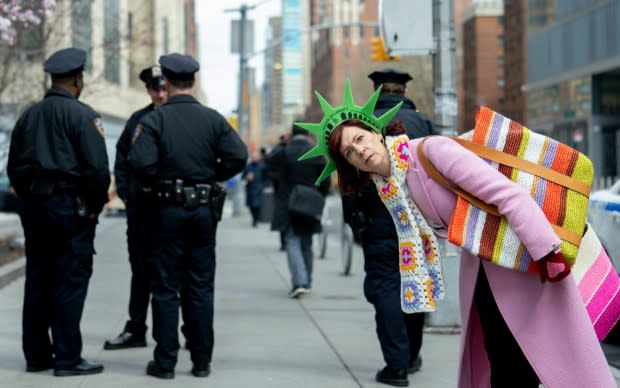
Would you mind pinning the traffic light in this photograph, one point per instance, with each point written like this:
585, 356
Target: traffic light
377, 51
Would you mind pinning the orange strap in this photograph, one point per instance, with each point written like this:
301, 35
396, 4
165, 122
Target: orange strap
434, 174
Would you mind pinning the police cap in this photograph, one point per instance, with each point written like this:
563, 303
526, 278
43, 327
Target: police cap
390, 75
66, 62
152, 77
178, 67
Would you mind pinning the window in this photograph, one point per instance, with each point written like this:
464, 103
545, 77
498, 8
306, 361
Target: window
112, 41
82, 29
346, 31
165, 35
129, 26
500, 61
361, 28
500, 41
501, 82
376, 32
345, 53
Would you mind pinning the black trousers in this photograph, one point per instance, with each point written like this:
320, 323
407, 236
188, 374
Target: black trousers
183, 258
137, 242
399, 334
59, 263
509, 367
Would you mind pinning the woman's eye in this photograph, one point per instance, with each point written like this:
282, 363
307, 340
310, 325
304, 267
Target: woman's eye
360, 138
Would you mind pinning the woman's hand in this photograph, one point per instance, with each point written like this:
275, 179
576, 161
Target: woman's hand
553, 267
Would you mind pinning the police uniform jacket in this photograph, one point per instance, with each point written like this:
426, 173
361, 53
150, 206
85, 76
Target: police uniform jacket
185, 140
416, 124
126, 186
60, 140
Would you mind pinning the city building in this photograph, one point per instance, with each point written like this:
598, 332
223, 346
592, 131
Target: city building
121, 38
515, 69
271, 103
573, 76
483, 59
341, 50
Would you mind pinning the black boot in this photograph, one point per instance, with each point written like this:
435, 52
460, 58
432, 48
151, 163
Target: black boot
415, 365
153, 369
125, 340
392, 376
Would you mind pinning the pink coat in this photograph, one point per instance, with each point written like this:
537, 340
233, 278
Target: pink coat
549, 320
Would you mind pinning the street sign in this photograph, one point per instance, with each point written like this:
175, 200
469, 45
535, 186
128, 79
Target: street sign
248, 34
407, 26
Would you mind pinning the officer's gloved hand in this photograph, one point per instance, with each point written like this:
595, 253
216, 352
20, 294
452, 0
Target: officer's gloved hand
553, 267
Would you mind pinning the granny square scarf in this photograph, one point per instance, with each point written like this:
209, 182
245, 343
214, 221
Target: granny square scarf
421, 276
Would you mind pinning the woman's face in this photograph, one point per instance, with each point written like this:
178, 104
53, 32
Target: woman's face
363, 149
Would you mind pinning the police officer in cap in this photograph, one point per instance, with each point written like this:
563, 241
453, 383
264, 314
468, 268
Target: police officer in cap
400, 335
59, 167
181, 150
138, 210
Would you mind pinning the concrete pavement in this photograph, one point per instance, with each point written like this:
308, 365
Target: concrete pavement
262, 338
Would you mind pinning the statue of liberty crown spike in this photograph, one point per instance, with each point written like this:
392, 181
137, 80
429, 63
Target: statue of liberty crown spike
334, 116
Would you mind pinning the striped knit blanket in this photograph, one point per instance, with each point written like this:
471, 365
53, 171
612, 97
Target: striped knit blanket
490, 237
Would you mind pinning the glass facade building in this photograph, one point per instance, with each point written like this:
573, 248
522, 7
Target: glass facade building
573, 66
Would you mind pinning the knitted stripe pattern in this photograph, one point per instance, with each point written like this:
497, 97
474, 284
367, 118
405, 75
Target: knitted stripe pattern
490, 237
421, 276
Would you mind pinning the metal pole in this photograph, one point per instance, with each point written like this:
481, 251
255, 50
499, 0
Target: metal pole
447, 316
240, 111
444, 67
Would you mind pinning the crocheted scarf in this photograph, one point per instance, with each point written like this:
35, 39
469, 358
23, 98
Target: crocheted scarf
421, 277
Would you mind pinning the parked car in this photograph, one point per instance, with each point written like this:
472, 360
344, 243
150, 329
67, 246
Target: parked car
8, 199
604, 216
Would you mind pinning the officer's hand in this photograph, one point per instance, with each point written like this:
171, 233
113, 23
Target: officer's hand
92, 216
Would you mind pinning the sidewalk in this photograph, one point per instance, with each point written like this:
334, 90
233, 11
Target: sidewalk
262, 338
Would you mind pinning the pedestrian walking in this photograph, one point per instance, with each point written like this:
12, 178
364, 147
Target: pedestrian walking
519, 330
254, 186
399, 334
59, 167
298, 229
138, 205
275, 173
181, 151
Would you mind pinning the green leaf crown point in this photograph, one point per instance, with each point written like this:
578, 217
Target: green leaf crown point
334, 116
348, 95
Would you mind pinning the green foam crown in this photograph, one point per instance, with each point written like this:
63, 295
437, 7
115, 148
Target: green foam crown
334, 116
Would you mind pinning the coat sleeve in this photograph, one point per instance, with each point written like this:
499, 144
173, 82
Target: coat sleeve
231, 152
472, 174
94, 162
121, 164
144, 152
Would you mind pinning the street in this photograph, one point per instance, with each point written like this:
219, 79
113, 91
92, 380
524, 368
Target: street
262, 338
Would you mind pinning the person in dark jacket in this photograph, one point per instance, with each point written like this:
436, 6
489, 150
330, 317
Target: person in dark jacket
255, 184
275, 173
138, 210
181, 151
298, 230
400, 334
58, 165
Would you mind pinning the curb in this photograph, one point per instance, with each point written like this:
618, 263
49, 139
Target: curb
12, 271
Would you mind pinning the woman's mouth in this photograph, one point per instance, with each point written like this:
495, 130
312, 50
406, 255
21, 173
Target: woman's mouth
368, 158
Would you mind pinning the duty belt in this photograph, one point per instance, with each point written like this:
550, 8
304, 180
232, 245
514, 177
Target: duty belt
177, 191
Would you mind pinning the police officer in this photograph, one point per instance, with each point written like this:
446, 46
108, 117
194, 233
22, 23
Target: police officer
58, 165
138, 209
400, 335
181, 150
